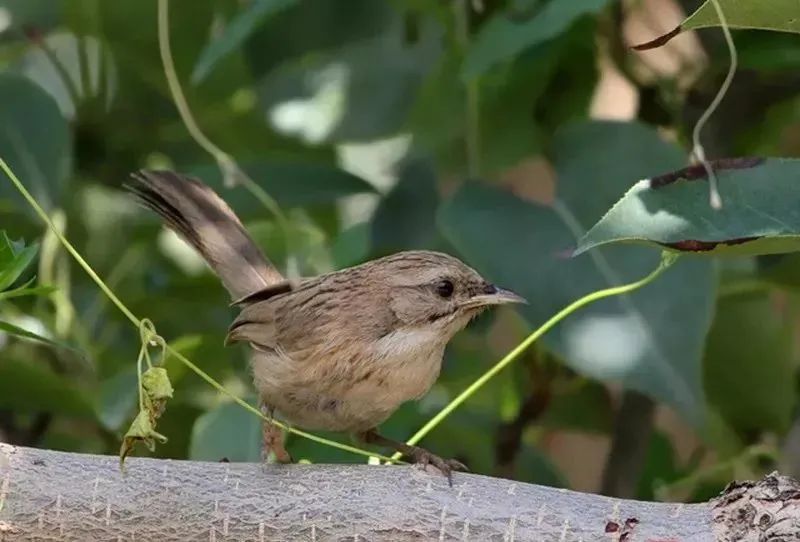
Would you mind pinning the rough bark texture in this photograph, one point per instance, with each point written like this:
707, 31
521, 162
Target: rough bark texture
46, 495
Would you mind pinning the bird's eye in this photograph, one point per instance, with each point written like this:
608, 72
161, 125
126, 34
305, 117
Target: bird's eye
445, 288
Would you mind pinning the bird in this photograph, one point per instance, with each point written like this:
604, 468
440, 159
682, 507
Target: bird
336, 352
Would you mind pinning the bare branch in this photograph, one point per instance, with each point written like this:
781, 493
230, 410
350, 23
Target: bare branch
47, 495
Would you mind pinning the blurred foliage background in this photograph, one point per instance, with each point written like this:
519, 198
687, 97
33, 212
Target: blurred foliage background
498, 131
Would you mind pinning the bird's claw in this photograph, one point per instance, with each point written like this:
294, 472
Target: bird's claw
423, 458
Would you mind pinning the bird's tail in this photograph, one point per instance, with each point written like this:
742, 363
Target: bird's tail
204, 220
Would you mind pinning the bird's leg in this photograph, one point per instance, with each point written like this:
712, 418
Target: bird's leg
272, 437
416, 454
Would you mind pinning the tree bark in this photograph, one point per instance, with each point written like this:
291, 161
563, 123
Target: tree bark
47, 495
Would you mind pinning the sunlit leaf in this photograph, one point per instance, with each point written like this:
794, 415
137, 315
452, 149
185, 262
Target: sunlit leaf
760, 210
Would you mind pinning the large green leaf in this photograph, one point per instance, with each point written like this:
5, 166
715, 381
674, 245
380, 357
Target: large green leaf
227, 431
235, 33
291, 183
778, 15
34, 141
359, 92
760, 212
312, 26
411, 202
118, 398
30, 387
650, 340
749, 371
504, 36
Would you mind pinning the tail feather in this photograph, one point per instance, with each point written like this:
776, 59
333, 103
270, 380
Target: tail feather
204, 220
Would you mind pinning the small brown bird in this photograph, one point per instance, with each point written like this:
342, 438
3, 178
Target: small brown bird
337, 352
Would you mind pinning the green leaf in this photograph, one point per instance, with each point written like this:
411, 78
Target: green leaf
351, 246
24, 290
31, 387
778, 15
157, 389
503, 37
15, 257
34, 141
292, 184
25, 15
227, 431
235, 34
325, 26
117, 399
412, 202
650, 340
749, 371
361, 92
142, 430
25, 334
758, 216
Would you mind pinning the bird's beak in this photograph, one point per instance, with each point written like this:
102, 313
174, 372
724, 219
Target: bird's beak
494, 295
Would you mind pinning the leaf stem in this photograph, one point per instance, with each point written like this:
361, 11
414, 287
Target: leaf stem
697, 147
667, 259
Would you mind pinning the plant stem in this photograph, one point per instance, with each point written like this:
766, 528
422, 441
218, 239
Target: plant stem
667, 259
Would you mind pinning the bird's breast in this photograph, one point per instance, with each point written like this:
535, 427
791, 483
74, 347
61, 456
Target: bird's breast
355, 389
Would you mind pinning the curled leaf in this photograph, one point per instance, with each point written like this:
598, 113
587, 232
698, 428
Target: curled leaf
141, 430
156, 389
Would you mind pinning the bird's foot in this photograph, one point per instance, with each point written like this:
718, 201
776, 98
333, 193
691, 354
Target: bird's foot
273, 440
423, 458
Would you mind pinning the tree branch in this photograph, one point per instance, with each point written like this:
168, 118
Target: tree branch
47, 495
